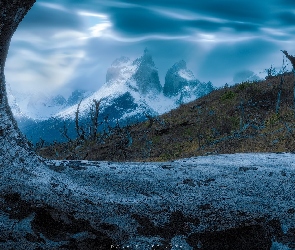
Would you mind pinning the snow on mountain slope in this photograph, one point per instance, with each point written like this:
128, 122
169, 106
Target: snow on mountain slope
132, 90
181, 84
124, 77
120, 71
13, 103
138, 78
146, 76
186, 74
36, 105
39, 105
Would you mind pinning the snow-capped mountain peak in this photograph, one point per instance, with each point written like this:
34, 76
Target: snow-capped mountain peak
120, 70
177, 78
146, 77
131, 91
13, 103
186, 74
135, 83
180, 83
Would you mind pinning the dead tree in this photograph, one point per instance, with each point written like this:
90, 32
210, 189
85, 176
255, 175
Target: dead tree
241, 115
94, 112
80, 131
279, 95
150, 118
50, 206
292, 60
64, 132
290, 57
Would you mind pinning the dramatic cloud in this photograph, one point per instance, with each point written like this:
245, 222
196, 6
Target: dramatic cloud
50, 16
66, 44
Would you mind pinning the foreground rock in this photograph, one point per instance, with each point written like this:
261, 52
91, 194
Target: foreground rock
241, 201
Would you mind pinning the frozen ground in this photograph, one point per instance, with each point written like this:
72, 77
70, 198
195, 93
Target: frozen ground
139, 204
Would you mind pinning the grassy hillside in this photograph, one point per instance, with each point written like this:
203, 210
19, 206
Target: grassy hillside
241, 118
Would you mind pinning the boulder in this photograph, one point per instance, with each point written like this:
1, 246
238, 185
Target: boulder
238, 201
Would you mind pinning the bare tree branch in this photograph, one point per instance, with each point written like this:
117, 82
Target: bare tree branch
290, 57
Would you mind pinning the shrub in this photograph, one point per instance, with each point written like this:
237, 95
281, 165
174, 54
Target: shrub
243, 85
272, 120
228, 95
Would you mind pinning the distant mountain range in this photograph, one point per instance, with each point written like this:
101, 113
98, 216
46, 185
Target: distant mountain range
131, 92
39, 106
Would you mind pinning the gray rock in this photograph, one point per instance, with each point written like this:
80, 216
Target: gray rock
181, 82
174, 81
146, 75
87, 205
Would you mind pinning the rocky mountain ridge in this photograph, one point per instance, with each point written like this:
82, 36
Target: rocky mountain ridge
181, 84
39, 105
140, 79
131, 92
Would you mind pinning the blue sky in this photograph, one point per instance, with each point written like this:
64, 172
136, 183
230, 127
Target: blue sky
69, 44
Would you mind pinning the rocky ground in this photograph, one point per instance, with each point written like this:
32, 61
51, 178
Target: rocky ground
238, 201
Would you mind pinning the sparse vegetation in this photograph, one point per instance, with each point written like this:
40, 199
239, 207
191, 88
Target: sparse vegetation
240, 118
228, 95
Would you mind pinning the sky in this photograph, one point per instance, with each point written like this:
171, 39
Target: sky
62, 45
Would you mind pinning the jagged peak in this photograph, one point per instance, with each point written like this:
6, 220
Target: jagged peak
145, 59
179, 69
120, 69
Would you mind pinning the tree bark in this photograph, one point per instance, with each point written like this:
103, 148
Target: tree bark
12, 142
292, 60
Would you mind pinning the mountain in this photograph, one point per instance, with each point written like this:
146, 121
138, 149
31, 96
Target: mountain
121, 69
132, 93
146, 75
138, 81
233, 119
13, 103
177, 77
244, 76
140, 75
41, 106
181, 84
132, 89
76, 96
35, 114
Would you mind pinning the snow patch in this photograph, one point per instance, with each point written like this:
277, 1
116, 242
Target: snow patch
279, 246
186, 74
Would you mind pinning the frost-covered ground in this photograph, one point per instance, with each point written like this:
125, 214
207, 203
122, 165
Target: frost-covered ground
143, 204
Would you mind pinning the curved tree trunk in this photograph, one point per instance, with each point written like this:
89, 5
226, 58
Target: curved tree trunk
14, 148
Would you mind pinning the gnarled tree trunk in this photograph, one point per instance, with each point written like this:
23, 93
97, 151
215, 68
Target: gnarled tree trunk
14, 148
292, 60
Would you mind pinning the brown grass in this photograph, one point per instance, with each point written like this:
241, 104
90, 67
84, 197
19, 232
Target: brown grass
213, 124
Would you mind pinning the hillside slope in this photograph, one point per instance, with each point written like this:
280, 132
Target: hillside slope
241, 118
